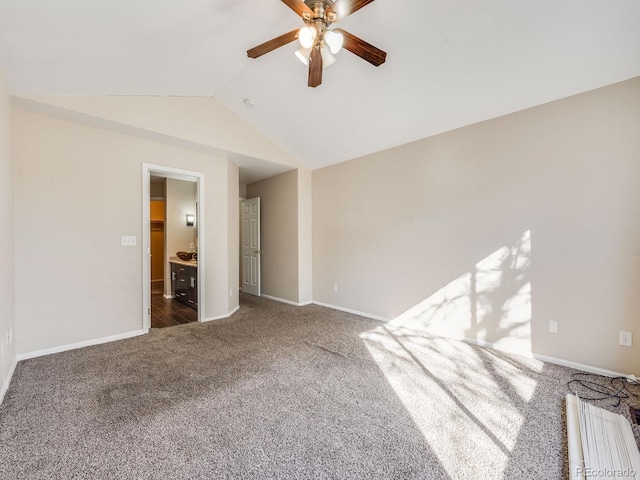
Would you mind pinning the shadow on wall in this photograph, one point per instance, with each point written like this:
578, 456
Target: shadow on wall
490, 304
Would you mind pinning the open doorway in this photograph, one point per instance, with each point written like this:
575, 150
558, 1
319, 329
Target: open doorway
173, 264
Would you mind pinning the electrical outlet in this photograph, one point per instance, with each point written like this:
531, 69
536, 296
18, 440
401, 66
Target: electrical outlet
192, 245
626, 339
10, 336
553, 326
335, 289
230, 292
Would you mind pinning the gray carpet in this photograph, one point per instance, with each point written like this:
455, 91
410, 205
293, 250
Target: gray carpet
284, 392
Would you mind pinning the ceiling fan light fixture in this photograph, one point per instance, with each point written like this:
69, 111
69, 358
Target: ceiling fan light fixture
303, 55
334, 41
319, 44
307, 36
327, 57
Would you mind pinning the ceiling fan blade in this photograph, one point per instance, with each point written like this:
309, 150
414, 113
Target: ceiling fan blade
344, 8
298, 6
364, 50
315, 67
272, 44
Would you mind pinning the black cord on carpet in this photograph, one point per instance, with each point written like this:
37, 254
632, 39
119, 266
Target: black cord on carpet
616, 389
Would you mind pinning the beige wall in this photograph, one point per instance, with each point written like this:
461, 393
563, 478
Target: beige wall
305, 272
493, 230
242, 194
78, 189
278, 234
233, 233
7, 312
210, 123
488, 232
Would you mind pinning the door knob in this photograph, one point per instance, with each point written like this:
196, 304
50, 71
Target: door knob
258, 251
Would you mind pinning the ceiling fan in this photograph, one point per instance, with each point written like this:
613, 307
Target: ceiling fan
318, 42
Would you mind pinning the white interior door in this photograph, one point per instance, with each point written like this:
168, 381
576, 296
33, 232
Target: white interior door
250, 233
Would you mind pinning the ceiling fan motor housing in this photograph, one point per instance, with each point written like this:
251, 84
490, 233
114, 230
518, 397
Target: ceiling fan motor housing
320, 14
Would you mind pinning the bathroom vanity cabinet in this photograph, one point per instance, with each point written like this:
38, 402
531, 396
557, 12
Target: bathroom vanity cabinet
184, 281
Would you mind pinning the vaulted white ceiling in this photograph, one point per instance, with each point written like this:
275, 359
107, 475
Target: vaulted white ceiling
450, 63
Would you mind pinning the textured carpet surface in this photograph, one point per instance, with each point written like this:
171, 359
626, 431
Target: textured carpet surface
284, 392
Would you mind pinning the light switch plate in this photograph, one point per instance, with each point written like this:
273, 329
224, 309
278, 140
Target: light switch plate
128, 241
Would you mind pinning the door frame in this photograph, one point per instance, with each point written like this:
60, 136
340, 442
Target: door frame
178, 174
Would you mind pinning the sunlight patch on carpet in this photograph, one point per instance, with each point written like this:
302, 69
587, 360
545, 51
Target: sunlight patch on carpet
469, 404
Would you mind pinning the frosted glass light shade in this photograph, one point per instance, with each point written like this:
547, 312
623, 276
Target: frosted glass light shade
303, 55
334, 41
327, 58
307, 36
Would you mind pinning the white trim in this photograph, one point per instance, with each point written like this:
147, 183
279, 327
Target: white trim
168, 297
481, 343
180, 174
288, 302
7, 380
473, 341
221, 317
355, 312
583, 367
146, 245
201, 219
86, 343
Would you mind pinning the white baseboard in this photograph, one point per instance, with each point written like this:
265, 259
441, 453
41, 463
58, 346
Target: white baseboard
7, 381
221, 317
355, 312
168, 297
583, 367
481, 343
288, 302
86, 343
